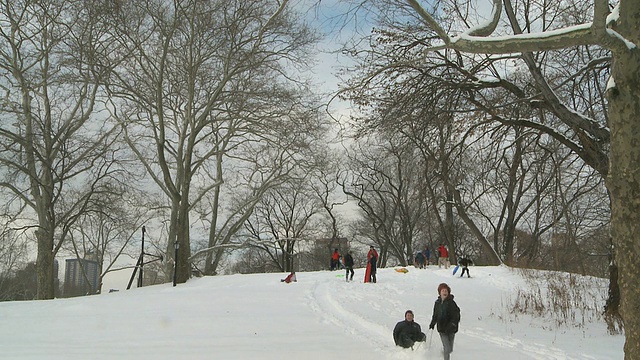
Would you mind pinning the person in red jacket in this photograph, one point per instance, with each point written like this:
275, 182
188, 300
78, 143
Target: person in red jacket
290, 278
335, 260
443, 258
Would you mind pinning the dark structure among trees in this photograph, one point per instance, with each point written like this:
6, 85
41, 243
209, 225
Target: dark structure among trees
81, 277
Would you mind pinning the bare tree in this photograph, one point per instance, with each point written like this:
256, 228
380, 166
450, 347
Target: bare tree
385, 181
204, 79
51, 136
283, 230
325, 187
284, 217
13, 256
107, 227
617, 31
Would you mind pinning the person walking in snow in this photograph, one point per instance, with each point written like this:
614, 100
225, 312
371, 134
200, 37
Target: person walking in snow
335, 260
348, 265
419, 263
446, 316
372, 264
427, 255
443, 256
465, 262
407, 332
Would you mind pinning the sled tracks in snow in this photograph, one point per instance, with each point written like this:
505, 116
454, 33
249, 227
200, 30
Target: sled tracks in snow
366, 317
531, 350
323, 299
357, 320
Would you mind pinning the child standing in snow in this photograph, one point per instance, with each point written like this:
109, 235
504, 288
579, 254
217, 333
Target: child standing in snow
446, 315
348, 264
419, 263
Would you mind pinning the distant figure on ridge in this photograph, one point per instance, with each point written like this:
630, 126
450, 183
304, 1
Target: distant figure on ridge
372, 263
335, 260
419, 263
443, 256
465, 262
427, 255
291, 277
348, 265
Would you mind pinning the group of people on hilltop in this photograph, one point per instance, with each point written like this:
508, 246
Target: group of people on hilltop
423, 257
347, 263
421, 261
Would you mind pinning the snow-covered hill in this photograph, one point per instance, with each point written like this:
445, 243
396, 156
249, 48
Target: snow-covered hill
319, 317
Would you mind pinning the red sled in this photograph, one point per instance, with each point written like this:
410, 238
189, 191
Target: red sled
367, 273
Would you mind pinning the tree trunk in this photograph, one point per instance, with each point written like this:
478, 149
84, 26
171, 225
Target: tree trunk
490, 252
513, 193
183, 272
179, 231
44, 235
44, 265
612, 305
449, 229
623, 181
209, 268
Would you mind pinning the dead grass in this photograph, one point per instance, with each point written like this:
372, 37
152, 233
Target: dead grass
559, 299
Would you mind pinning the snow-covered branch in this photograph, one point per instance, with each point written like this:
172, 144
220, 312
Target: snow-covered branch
548, 40
476, 39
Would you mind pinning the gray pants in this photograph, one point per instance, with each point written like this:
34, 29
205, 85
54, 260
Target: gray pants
447, 343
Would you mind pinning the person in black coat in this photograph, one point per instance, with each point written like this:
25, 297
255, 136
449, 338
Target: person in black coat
372, 258
407, 332
348, 265
446, 315
465, 262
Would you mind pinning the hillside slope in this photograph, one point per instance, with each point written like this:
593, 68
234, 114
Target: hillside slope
319, 317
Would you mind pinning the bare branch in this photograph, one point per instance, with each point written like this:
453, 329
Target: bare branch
430, 21
489, 27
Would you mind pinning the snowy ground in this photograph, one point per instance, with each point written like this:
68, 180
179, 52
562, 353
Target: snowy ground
319, 317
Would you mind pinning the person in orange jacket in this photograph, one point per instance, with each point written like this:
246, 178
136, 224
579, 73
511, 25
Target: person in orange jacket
335, 260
